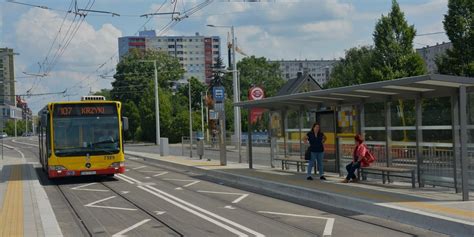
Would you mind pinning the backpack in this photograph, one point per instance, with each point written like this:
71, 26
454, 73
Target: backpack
368, 159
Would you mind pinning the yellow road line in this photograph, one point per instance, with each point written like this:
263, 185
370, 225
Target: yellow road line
440, 209
11, 215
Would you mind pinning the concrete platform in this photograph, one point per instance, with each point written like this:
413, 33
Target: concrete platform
436, 209
25, 209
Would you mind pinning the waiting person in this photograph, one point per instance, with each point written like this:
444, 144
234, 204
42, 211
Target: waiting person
360, 157
316, 139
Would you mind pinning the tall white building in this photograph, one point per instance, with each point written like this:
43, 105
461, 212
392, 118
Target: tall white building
318, 69
429, 54
7, 86
197, 54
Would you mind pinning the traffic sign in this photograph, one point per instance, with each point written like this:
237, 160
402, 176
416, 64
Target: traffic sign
218, 93
212, 115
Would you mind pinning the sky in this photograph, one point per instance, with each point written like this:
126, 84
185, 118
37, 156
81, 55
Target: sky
274, 29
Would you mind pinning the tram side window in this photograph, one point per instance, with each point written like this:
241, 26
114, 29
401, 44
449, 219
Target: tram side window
47, 137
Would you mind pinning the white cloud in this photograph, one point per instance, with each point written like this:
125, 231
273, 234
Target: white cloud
35, 31
328, 29
432, 6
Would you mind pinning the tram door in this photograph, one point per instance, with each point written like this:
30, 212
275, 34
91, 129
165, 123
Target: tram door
327, 122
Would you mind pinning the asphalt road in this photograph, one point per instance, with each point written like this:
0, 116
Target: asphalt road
152, 201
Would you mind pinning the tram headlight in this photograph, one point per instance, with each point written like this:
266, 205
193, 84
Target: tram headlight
57, 168
117, 165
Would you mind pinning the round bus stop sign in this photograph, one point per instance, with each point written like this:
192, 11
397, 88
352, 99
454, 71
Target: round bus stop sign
256, 93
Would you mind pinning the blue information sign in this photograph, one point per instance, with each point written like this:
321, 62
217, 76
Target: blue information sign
218, 93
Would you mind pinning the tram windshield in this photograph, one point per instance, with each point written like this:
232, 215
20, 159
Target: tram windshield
78, 135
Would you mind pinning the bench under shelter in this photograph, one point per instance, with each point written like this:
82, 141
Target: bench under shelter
422, 127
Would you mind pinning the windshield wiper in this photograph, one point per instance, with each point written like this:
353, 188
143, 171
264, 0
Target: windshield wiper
103, 142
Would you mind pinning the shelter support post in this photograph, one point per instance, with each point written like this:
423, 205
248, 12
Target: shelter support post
285, 125
463, 127
419, 139
456, 138
300, 127
361, 113
388, 132
249, 141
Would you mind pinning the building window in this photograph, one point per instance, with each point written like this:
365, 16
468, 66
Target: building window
171, 46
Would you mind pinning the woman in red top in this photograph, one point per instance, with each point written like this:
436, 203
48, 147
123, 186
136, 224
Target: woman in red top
360, 151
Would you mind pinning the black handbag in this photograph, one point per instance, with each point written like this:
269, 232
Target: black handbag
307, 154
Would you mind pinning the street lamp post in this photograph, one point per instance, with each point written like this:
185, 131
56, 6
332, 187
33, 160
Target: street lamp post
190, 122
157, 103
202, 114
237, 122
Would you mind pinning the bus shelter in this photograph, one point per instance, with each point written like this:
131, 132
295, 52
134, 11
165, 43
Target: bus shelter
425, 122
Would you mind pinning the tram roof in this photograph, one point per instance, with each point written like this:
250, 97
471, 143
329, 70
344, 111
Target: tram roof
426, 86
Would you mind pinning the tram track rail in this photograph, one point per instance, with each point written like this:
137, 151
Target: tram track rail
96, 230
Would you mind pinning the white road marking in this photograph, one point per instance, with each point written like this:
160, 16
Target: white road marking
187, 206
92, 204
230, 207
327, 228
124, 192
160, 174
193, 182
140, 167
147, 177
124, 179
23, 143
87, 189
16, 149
220, 224
131, 228
159, 212
242, 195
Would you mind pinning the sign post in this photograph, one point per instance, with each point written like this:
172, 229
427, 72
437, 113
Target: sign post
218, 93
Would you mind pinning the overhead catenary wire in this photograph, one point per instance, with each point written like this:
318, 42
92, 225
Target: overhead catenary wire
168, 26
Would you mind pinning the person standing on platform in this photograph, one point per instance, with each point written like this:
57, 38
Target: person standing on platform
316, 140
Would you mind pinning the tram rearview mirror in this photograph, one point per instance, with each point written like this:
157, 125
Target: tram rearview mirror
125, 123
44, 119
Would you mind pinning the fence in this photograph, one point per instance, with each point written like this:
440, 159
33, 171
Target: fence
436, 166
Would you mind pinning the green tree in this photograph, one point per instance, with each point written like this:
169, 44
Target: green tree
394, 56
459, 26
256, 72
354, 69
196, 89
130, 110
105, 93
134, 75
20, 127
134, 87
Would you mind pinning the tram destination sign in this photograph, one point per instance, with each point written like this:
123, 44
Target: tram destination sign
67, 110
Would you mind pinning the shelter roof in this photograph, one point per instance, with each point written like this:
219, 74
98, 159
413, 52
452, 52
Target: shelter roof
426, 86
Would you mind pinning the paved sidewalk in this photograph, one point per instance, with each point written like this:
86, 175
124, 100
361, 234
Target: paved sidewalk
25, 209
437, 209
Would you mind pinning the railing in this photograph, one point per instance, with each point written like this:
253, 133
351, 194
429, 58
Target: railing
436, 164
